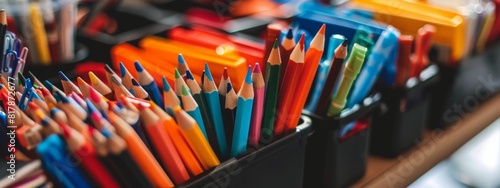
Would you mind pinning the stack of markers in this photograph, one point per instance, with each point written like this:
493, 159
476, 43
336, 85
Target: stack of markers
128, 133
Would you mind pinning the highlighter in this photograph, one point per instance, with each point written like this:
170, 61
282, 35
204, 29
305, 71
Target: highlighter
383, 50
353, 66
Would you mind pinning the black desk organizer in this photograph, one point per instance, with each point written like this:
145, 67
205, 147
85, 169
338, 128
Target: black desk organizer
331, 162
279, 164
400, 120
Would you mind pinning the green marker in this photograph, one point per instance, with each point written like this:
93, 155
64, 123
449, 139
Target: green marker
352, 69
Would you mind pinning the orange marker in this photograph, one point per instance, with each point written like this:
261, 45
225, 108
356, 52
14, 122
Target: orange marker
403, 63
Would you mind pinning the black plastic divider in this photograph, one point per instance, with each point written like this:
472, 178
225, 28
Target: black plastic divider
441, 93
400, 120
330, 161
279, 164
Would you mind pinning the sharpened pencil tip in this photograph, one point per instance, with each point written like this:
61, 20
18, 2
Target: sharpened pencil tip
108, 69
93, 78
224, 74
256, 69
62, 76
166, 86
275, 45
94, 95
208, 73
248, 78
322, 29
229, 87
138, 66
105, 132
32, 106
134, 82
180, 59
177, 74
185, 92
301, 42
62, 97
189, 75
289, 35
90, 106
344, 44
177, 109
122, 70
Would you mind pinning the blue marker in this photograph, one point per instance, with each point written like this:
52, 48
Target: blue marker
382, 54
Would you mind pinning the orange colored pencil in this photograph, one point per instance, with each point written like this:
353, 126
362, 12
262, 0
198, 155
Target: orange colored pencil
195, 138
164, 147
187, 155
140, 152
289, 86
311, 63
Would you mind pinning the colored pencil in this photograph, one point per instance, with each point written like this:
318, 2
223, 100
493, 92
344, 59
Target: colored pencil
119, 89
287, 46
98, 100
187, 155
140, 153
259, 89
195, 139
20, 82
98, 85
109, 74
85, 152
40, 102
189, 105
120, 155
68, 85
170, 99
126, 77
148, 83
289, 86
212, 100
229, 112
222, 87
68, 105
205, 114
179, 82
49, 98
273, 32
139, 91
36, 81
182, 66
333, 75
167, 153
84, 87
97, 119
243, 115
53, 89
49, 126
311, 63
131, 116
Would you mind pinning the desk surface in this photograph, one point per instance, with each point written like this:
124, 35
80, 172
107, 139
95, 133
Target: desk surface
436, 146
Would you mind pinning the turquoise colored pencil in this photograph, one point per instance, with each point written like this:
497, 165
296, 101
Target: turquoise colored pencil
243, 114
169, 98
182, 66
212, 100
189, 105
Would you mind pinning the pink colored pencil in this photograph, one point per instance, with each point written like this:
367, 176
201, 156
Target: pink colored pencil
257, 112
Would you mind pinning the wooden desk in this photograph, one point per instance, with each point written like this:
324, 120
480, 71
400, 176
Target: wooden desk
436, 146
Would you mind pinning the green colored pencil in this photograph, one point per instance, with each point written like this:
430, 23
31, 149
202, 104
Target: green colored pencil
270, 101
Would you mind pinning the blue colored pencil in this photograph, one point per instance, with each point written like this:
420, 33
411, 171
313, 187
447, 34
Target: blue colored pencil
213, 103
243, 116
148, 83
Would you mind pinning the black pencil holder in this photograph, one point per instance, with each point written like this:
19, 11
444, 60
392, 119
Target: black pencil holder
279, 164
442, 91
400, 120
332, 161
